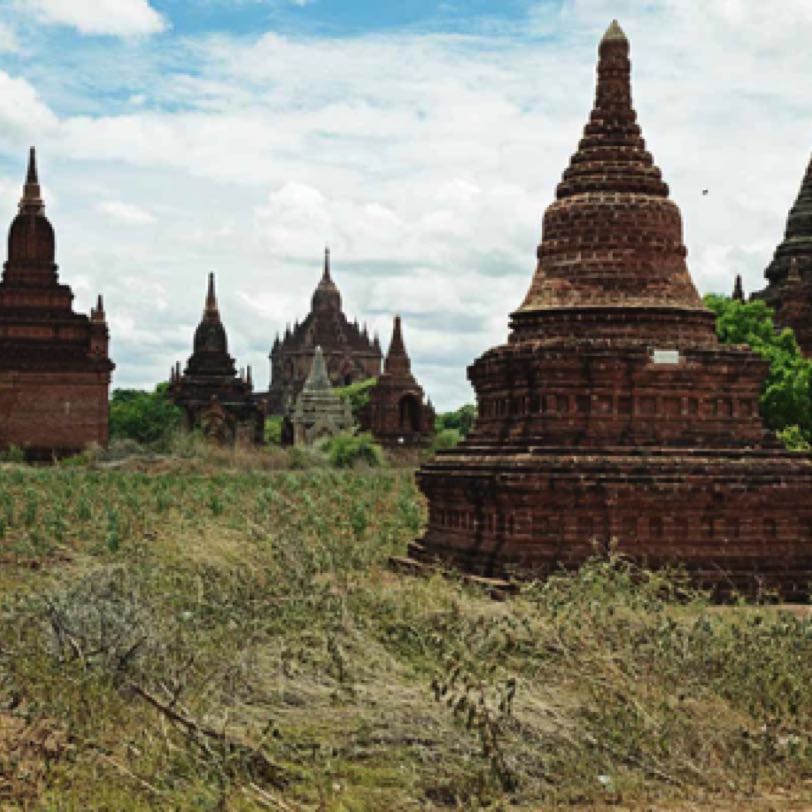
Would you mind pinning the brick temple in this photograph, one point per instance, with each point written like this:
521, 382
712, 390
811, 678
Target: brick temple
397, 414
789, 275
349, 353
613, 416
214, 397
54, 367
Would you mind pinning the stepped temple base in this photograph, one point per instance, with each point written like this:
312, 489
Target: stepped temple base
735, 522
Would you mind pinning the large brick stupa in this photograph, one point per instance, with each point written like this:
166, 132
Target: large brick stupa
613, 416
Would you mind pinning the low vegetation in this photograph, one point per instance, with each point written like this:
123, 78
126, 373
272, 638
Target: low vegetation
178, 635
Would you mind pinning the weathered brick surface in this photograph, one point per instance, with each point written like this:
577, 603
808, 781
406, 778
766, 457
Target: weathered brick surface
396, 413
212, 395
613, 415
54, 367
349, 353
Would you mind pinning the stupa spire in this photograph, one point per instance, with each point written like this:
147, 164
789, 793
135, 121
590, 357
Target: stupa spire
738, 290
211, 309
612, 239
397, 360
97, 313
318, 380
326, 295
326, 274
31, 201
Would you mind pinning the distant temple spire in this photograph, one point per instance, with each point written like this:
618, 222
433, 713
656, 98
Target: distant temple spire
326, 275
738, 290
31, 201
211, 298
614, 32
397, 361
318, 380
97, 313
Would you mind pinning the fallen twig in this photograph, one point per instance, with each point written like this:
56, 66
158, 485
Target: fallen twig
199, 733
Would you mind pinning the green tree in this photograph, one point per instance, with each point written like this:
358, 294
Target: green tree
786, 398
357, 394
462, 420
147, 417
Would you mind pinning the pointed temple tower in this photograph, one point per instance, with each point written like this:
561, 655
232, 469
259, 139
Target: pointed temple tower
54, 367
319, 412
396, 413
789, 275
213, 396
349, 352
613, 415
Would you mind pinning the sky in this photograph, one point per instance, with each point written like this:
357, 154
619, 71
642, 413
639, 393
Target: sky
420, 140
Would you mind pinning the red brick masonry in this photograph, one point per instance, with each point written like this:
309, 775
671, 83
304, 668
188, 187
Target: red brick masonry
54, 367
613, 415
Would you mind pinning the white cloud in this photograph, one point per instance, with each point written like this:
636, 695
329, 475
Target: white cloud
23, 114
114, 17
425, 161
126, 213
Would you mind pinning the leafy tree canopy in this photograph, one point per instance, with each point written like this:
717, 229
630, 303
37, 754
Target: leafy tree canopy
786, 398
357, 394
147, 417
462, 419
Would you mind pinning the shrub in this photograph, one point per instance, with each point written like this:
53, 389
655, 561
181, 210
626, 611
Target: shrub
273, 430
12, 454
446, 438
347, 450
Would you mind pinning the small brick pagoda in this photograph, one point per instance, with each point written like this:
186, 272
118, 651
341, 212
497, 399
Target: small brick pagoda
613, 416
789, 275
319, 413
213, 396
396, 413
54, 367
350, 355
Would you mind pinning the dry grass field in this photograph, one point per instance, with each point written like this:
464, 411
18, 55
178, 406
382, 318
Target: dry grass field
193, 635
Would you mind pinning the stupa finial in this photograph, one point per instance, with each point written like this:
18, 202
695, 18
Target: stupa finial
31, 200
211, 297
614, 32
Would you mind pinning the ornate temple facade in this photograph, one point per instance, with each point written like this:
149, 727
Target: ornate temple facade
613, 416
54, 367
318, 412
213, 396
349, 353
397, 414
789, 275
